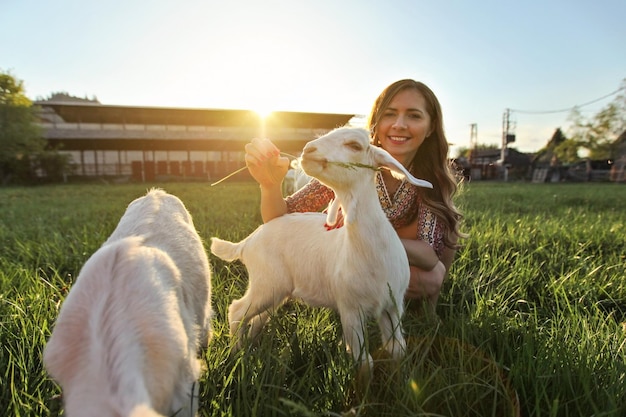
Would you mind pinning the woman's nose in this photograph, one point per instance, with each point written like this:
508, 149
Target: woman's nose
399, 122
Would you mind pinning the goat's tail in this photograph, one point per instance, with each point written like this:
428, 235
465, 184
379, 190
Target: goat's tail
226, 250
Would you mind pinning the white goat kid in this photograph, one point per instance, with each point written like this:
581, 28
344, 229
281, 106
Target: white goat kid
295, 178
126, 340
361, 269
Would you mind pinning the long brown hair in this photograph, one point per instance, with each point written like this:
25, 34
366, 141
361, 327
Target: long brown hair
431, 160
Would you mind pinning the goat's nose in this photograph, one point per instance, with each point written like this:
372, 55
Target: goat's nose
308, 149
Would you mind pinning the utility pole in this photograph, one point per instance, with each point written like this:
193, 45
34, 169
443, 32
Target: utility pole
508, 136
506, 124
473, 142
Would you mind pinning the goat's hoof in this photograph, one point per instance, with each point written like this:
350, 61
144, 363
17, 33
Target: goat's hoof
364, 374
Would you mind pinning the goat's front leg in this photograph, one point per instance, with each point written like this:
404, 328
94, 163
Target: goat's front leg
391, 332
353, 323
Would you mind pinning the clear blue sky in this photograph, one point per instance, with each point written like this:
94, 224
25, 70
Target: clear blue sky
480, 57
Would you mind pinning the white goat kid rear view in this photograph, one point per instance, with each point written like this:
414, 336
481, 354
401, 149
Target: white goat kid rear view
361, 269
126, 340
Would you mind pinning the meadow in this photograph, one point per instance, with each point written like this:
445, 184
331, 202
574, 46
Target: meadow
531, 322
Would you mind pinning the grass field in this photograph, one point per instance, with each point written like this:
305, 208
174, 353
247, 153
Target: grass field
532, 319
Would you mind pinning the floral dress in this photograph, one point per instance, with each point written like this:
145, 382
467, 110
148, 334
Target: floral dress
400, 208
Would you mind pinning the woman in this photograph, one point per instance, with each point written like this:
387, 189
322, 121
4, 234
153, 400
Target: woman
406, 121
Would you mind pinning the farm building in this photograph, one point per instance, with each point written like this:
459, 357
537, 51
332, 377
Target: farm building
548, 168
618, 168
148, 143
485, 164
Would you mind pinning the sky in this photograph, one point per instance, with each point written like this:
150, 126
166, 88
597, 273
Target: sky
480, 57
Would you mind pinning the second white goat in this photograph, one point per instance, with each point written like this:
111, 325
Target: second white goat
126, 340
360, 269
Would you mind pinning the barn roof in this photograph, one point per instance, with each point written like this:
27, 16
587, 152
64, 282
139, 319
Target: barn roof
109, 114
89, 125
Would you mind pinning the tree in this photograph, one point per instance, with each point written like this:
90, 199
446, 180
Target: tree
20, 135
565, 150
63, 96
54, 165
464, 152
599, 133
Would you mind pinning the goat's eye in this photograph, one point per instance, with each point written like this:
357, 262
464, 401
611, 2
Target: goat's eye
355, 146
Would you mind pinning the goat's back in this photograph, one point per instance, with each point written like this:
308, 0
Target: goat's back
162, 220
165, 223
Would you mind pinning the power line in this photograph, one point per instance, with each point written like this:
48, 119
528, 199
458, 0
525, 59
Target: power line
569, 108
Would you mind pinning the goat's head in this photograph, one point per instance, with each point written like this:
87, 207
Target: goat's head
340, 155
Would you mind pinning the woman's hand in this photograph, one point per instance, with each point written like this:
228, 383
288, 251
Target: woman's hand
426, 285
264, 162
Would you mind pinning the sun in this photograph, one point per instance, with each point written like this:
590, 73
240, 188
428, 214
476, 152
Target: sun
263, 112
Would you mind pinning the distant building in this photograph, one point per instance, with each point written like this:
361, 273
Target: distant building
548, 168
149, 143
486, 164
618, 170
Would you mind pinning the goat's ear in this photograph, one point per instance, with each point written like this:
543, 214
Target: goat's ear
384, 159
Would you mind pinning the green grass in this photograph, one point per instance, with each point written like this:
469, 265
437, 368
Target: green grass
531, 318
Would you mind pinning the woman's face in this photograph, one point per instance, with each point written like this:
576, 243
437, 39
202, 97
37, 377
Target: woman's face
404, 125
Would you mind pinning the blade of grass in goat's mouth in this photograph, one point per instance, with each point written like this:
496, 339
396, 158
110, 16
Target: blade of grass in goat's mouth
350, 165
354, 165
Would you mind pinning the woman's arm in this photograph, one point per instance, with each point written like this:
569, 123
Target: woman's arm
272, 203
420, 253
427, 270
426, 284
447, 257
268, 168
